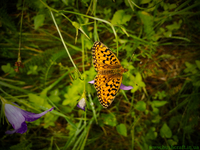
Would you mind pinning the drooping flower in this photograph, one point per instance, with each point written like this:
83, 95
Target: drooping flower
122, 86
82, 104
17, 116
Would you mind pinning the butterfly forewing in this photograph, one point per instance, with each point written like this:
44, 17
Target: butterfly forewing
103, 57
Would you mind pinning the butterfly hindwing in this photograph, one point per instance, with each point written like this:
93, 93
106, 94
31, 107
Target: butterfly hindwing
107, 87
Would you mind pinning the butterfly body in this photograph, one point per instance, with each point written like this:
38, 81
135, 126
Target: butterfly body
112, 71
109, 73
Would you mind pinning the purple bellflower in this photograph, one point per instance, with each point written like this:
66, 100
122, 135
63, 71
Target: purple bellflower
123, 87
82, 103
17, 116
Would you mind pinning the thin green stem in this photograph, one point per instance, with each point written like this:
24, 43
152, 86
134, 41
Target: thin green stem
94, 18
20, 36
13, 87
83, 60
63, 42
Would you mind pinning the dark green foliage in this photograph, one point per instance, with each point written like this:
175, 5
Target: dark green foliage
7, 23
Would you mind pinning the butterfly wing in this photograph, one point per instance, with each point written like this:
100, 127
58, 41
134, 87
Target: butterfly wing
107, 86
103, 57
109, 77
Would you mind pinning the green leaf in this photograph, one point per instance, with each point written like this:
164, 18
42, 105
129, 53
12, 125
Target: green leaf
49, 119
196, 83
174, 120
158, 103
68, 2
132, 114
172, 142
166, 6
190, 68
37, 100
155, 110
138, 83
120, 17
172, 6
145, 1
161, 95
65, 2
165, 131
121, 129
109, 119
147, 20
55, 92
23, 144
38, 21
73, 93
7, 68
197, 63
152, 134
55, 96
174, 26
188, 129
168, 34
40, 6
156, 119
141, 106
33, 70
76, 25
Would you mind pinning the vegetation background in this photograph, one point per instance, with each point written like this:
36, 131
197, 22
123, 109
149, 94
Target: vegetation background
45, 51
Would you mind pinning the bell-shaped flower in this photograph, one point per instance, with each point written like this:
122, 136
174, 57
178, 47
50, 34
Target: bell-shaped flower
82, 104
17, 116
122, 86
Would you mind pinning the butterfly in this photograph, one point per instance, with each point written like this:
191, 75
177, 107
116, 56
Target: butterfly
109, 73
